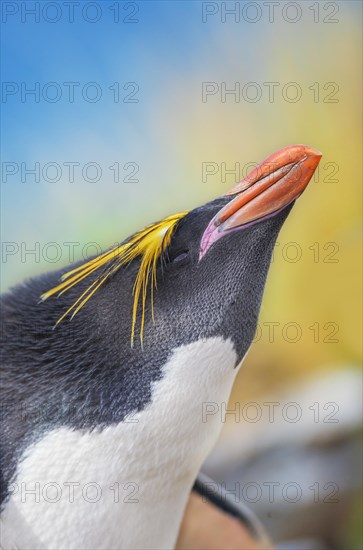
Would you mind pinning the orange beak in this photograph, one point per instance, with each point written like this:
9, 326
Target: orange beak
275, 183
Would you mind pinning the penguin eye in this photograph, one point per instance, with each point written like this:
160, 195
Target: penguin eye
180, 256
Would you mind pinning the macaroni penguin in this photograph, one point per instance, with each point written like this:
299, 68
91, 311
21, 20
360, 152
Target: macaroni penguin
108, 368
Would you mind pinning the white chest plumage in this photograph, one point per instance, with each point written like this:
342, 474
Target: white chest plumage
127, 485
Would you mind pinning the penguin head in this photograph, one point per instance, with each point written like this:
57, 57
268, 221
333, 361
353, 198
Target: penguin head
198, 274
212, 290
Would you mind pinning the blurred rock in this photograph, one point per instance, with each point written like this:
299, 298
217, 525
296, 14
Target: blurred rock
301, 544
298, 464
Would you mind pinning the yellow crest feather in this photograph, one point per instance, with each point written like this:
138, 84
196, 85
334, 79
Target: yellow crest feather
148, 243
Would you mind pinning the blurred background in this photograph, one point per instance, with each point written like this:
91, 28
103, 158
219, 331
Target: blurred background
118, 113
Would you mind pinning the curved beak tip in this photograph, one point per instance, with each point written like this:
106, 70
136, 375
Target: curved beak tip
312, 151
